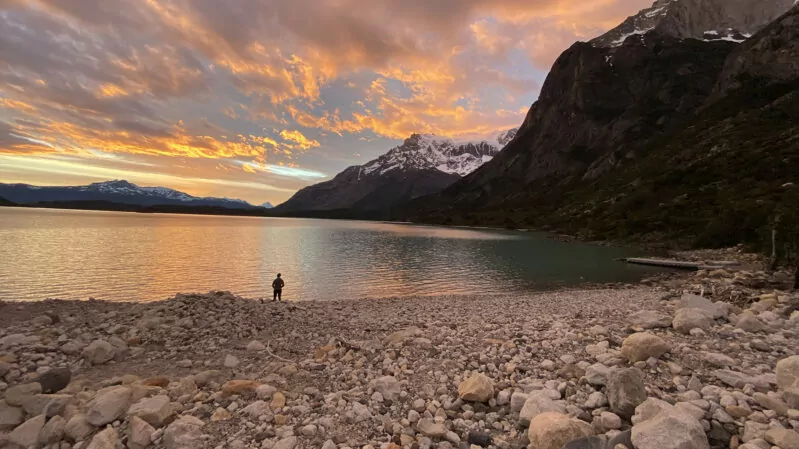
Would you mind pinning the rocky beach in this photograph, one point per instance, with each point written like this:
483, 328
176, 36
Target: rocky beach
688, 361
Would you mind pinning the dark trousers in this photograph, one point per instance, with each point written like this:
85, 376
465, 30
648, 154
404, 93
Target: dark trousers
277, 295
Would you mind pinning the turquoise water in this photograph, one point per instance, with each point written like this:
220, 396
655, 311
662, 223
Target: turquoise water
48, 253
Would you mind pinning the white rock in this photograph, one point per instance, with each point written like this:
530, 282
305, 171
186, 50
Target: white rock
536, 404
184, 433
553, 430
257, 409
597, 374
231, 361
715, 309
108, 405
717, 359
155, 410
788, 380
107, 439
669, 430
430, 428
255, 346
648, 319
286, 443
140, 433
78, 428
609, 421
687, 319
517, 400
98, 352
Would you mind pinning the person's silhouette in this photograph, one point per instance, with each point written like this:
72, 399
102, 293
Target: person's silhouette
277, 286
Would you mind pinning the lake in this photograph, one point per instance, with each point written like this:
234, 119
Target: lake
68, 254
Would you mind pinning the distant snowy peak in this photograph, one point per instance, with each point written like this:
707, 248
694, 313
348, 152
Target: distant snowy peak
708, 20
267, 205
429, 152
122, 187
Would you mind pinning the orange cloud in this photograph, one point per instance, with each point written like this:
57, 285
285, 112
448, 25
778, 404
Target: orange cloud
298, 140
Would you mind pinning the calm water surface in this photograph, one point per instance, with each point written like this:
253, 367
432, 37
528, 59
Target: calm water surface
46, 253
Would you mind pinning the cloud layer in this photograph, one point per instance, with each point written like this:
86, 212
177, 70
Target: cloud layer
231, 89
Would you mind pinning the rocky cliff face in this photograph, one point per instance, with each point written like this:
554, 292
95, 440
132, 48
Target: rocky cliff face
732, 20
657, 135
422, 165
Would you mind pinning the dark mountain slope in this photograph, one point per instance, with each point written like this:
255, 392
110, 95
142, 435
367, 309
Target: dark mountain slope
5, 202
713, 177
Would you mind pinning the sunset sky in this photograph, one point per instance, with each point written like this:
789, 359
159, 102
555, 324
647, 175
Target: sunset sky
255, 99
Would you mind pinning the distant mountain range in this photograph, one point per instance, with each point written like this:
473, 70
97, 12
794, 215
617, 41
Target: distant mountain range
422, 165
118, 191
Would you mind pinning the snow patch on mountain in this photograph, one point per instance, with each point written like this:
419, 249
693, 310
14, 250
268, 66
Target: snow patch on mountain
429, 152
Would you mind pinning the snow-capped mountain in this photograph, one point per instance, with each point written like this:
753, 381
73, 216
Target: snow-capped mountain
117, 191
428, 152
731, 20
267, 205
422, 165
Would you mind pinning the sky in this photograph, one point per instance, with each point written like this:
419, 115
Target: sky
255, 99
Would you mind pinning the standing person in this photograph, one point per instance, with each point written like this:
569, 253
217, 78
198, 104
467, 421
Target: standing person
277, 285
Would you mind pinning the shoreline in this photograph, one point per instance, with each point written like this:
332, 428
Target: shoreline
219, 371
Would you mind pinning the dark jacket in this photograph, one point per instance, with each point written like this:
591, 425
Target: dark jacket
278, 284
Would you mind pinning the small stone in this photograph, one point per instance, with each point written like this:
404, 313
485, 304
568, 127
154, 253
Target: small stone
388, 387
255, 346
209, 376
257, 409
158, 381
10, 417
482, 439
478, 388
553, 430
586, 443
286, 443
750, 323
220, 414
609, 421
431, 429
718, 360
265, 391
596, 399
309, 430
140, 433
771, 403
278, 401
687, 319
49, 404
626, 391
597, 374
231, 361
239, 387
107, 439
714, 309
517, 400
536, 404
98, 352
55, 380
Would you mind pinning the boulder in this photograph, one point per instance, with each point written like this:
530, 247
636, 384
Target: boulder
643, 345
517, 400
49, 404
597, 375
98, 352
55, 380
625, 391
389, 387
715, 309
670, 430
107, 439
108, 405
553, 430
748, 322
53, 431
784, 438
478, 388
739, 380
140, 433
648, 319
788, 380
286, 443
537, 403
17, 394
650, 408
27, 433
155, 410
10, 416
184, 433
687, 319
78, 428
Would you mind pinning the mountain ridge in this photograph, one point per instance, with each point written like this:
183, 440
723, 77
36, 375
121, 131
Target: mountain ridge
421, 165
115, 191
